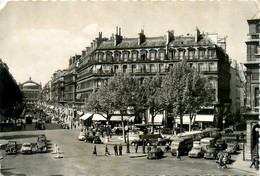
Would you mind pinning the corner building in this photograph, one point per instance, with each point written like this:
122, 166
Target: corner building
146, 56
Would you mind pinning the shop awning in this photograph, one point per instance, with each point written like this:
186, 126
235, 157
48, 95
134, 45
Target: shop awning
86, 116
185, 119
98, 117
125, 118
204, 118
80, 113
157, 119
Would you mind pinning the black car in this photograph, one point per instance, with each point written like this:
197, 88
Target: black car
155, 153
221, 144
41, 145
11, 148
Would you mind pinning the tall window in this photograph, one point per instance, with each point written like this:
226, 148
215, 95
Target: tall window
124, 68
161, 68
134, 55
212, 66
133, 67
181, 54
211, 53
257, 97
201, 53
116, 68
152, 55
201, 67
125, 56
117, 56
152, 68
143, 55
108, 56
191, 54
161, 55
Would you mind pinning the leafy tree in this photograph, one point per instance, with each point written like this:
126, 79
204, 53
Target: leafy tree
152, 93
185, 91
197, 93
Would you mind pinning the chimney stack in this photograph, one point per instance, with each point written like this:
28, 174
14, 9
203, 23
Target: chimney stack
170, 36
118, 38
141, 38
197, 34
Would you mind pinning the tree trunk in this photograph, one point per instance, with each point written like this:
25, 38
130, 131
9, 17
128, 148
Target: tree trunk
190, 122
181, 122
123, 126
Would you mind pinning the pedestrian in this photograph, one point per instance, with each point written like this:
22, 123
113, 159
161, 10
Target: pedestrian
167, 147
255, 161
237, 137
115, 149
120, 149
224, 162
95, 150
148, 148
136, 148
36, 124
178, 154
106, 151
220, 160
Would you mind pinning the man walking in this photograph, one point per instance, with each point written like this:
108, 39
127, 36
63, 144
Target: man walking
136, 148
255, 162
178, 155
106, 151
115, 149
95, 151
120, 149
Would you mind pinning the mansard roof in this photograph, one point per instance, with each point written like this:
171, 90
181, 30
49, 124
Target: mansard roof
190, 41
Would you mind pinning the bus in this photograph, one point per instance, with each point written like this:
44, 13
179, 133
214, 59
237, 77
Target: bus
195, 135
183, 144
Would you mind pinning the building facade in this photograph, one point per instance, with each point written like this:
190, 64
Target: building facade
144, 57
31, 92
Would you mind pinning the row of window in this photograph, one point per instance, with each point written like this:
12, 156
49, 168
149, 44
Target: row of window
153, 55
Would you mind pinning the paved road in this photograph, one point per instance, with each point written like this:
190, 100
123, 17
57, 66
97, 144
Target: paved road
78, 159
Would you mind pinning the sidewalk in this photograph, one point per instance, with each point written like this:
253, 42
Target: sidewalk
239, 164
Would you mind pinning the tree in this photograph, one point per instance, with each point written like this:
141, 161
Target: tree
185, 91
197, 93
152, 93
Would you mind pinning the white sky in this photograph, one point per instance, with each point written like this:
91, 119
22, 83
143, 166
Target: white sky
37, 38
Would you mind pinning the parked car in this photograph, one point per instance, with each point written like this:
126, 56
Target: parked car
221, 144
11, 148
26, 148
155, 153
93, 139
163, 141
42, 137
224, 154
196, 152
82, 136
231, 148
210, 153
41, 145
117, 130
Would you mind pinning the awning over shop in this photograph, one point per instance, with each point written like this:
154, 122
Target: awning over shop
204, 118
157, 119
80, 113
125, 118
98, 117
86, 116
185, 119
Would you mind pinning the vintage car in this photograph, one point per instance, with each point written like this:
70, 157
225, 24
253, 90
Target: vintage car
196, 152
117, 130
26, 148
93, 139
224, 154
231, 148
155, 153
82, 136
42, 137
40, 125
221, 144
163, 141
41, 145
11, 148
210, 153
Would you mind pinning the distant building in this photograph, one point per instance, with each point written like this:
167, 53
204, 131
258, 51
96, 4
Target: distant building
31, 92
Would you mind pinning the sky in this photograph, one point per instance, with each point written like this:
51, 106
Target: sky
38, 38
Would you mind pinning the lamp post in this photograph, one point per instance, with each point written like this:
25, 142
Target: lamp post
127, 141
